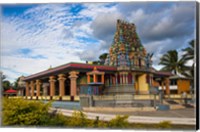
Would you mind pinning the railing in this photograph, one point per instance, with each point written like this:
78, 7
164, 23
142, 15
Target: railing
127, 97
178, 96
55, 98
126, 100
126, 88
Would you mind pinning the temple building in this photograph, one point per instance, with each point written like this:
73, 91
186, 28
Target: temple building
127, 70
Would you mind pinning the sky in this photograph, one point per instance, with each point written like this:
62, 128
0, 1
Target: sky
37, 36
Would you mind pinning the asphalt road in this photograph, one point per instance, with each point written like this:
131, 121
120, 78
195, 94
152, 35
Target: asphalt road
135, 119
181, 113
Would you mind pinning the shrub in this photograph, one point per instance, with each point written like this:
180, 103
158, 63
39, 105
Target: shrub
57, 120
99, 124
164, 124
20, 112
79, 119
119, 122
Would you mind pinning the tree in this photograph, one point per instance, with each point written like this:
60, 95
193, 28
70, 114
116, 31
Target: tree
96, 62
189, 51
6, 85
172, 63
189, 55
103, 57
15, 84
101, 60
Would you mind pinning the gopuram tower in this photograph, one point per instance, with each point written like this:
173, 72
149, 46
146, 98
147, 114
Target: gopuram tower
129, 56
126, 51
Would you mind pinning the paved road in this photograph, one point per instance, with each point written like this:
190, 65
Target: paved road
180, 113
66, 105
136, 119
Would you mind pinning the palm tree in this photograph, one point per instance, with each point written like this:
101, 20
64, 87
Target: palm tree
172, 63
189, 55
189, 51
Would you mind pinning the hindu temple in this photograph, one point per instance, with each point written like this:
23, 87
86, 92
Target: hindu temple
127, 70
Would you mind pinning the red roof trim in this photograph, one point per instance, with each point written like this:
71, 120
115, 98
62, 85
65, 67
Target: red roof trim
88, 66
71, 65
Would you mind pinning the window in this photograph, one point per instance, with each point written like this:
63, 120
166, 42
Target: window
173, 82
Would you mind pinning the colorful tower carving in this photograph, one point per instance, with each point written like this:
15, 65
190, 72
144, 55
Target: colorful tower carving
126, 51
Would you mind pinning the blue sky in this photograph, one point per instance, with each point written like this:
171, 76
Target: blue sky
35, 36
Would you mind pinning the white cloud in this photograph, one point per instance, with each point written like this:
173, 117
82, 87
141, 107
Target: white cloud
53, 32
50, 31
93, 10
48, 40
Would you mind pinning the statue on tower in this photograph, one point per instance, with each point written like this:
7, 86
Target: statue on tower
126, 47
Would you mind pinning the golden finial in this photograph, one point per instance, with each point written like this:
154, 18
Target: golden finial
95, 68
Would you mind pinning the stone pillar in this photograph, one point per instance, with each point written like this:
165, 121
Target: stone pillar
73, 77
162, 85
88, 78
151, 79
61, 78
121, 78
32, 85
167, 83
124, 78
110, 80
102, 78
94, 78
116, 77
113, 78
52, 85
38, 85
45, 87
136, 84
27, 89
133, 78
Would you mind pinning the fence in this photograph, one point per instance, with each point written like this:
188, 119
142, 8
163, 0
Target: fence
54, 98
127, 100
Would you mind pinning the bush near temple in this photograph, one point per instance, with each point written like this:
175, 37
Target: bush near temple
79, 119
164, 124
20, 112
119, 122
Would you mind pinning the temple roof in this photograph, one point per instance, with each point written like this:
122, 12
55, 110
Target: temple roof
179, 77
81, 67
162, 73
95, 71
69, 67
